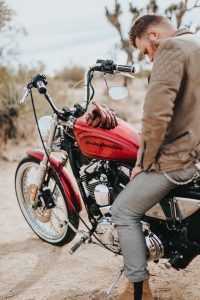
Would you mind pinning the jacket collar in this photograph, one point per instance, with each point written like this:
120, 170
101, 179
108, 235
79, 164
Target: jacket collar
181, 32
176, 33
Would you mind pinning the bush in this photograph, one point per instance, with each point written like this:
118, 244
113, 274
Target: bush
8, 106
73, 74
11, 90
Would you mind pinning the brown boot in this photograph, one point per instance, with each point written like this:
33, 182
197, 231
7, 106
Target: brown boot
147, 295
127, 294
142, 290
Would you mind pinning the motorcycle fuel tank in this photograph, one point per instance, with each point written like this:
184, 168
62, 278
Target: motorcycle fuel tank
120, 143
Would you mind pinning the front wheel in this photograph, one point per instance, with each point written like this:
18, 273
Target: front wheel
48, 218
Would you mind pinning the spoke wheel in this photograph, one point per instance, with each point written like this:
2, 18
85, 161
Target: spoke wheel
48, 223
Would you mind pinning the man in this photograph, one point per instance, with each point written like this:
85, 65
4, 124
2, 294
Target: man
170, 138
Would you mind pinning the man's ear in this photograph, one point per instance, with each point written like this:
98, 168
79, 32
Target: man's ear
153, 34
152, 37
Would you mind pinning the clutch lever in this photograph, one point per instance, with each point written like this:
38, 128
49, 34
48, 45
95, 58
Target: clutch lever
25, 96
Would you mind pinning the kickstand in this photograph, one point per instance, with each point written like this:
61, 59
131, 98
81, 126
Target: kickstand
113, 283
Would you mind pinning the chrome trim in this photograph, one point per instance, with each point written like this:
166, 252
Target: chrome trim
102, 195
156, 212
154, 246
184, 207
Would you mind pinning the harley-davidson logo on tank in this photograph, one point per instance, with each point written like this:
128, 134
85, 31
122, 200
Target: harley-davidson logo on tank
120, 143
102, 144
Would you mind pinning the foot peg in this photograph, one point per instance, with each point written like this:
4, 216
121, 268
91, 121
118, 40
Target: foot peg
82, 240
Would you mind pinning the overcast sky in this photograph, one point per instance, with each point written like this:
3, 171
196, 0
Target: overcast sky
62, 32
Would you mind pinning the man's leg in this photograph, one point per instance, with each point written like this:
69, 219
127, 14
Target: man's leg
142, 193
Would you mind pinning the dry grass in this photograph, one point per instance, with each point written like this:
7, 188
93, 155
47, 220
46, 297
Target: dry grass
70, 75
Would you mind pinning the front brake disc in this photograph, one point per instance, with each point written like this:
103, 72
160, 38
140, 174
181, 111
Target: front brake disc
41, 213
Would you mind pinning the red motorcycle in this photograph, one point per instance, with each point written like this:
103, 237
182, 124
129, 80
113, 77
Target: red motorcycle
101, 161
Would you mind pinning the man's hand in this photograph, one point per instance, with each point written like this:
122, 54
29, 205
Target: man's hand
102, 116
135, 171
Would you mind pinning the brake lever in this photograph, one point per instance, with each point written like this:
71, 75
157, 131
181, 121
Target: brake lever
126, 75
25, 96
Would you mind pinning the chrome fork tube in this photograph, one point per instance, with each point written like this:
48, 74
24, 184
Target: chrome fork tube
85, 88
43, 164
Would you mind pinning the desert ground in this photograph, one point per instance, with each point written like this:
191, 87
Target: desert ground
31, 269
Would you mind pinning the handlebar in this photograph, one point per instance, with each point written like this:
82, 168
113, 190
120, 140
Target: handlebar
108, 66
39, 81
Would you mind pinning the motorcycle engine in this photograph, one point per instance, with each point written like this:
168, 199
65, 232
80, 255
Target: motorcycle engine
108, 235
103, 181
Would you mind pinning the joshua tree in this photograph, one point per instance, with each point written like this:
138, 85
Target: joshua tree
179, 10
174, 11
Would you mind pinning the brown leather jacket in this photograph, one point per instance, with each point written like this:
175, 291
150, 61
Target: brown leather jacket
170, 137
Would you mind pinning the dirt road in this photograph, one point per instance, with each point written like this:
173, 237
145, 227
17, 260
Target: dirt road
31, 269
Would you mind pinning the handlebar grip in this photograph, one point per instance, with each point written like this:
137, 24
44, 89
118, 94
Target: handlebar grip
125, 69
108, 66
41, 87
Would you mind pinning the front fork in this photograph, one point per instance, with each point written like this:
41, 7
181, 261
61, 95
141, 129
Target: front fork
44, 162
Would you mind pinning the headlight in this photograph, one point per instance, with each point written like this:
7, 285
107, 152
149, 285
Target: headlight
45, 126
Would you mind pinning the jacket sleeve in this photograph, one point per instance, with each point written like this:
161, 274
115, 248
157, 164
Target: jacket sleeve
166, 78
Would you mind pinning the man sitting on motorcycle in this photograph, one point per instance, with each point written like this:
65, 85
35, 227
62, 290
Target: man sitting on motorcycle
170, 140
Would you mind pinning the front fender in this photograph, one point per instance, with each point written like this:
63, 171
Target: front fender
73, 200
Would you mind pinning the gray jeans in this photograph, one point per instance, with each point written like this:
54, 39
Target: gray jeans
140, 194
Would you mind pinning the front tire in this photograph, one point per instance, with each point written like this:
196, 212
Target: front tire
48, 223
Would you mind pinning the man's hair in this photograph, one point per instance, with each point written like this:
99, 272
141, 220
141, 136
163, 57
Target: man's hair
141, 25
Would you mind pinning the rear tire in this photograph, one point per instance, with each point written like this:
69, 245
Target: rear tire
47, 223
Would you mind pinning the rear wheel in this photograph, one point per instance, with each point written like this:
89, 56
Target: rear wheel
46, 217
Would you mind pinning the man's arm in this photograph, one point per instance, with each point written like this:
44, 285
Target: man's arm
167, 74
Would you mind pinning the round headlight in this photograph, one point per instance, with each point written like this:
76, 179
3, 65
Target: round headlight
44, 126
